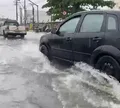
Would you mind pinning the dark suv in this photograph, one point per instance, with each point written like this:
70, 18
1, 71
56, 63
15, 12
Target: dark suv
91, 36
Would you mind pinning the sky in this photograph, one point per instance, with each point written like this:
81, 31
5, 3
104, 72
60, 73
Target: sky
7, 7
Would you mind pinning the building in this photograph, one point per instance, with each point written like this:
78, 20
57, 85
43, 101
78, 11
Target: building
117, 6
43, 17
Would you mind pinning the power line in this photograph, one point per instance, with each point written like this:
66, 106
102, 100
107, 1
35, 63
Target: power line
21, 4
32, 2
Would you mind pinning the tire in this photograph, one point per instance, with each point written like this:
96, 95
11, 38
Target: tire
109, 65
43, 49
22, 36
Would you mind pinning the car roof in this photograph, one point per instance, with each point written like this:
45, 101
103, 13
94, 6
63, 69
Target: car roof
98, 11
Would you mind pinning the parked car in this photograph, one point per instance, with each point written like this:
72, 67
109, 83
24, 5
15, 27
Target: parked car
92, 37
11, 27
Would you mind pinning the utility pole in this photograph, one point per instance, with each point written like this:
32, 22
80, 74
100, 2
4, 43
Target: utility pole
25, 12
16, 3
37, 14
21, 16
33, 18
33, 15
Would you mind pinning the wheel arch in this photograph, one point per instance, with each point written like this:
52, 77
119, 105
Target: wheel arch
46, 44
105, 50
44, 41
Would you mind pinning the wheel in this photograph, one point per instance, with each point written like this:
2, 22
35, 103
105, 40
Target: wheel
22, 36
109, 65
5, 35
45, 51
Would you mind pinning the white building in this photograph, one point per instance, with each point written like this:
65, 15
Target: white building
43, 17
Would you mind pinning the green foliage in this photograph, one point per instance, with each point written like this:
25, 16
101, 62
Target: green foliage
56, 7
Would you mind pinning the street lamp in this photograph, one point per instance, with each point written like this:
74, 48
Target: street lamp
37, 10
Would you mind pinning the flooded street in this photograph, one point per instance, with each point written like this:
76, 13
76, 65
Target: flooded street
29, 80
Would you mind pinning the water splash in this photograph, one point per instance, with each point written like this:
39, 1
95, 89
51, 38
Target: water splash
84, 82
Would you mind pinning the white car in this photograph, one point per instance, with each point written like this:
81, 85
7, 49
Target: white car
11, 27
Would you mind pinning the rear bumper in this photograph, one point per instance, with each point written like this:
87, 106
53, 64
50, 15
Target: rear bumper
14, 34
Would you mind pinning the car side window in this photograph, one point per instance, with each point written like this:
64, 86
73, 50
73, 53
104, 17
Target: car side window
92, 23
70, 25
111, 23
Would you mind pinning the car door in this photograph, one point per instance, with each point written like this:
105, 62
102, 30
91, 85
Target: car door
61, 43
90, 36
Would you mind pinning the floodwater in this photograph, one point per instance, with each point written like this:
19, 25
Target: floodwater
29, 80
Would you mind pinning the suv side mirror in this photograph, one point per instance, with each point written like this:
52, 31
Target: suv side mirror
54, 30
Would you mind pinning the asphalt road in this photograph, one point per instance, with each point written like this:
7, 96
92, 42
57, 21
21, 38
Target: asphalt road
29, 80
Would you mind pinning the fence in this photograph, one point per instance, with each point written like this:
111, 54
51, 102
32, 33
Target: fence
42, 25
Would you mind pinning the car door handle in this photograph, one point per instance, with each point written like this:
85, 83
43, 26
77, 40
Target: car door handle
97, 39
68, 39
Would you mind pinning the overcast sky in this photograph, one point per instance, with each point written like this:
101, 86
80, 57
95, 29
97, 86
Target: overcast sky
7, 7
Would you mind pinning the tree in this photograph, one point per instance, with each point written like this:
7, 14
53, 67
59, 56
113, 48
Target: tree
56, 7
